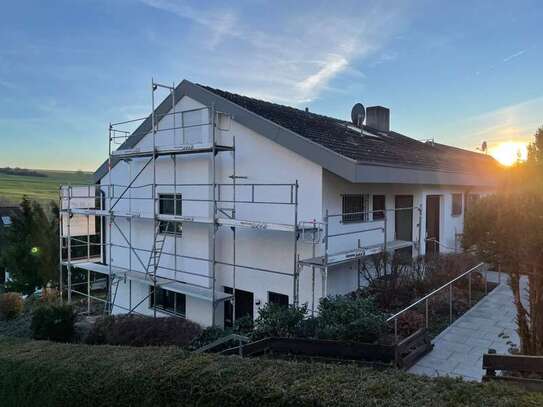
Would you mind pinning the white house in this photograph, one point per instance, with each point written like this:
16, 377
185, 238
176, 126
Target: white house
217, 195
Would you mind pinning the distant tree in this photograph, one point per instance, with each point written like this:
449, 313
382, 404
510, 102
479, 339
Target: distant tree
31, 252
507, 229
535, 149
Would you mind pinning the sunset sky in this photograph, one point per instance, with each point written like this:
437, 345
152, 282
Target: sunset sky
459, 72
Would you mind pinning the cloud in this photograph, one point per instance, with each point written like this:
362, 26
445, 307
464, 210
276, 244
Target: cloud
515, 55
221, 23
513, 123
284, 54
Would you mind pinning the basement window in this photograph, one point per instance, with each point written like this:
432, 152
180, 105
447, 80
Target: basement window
354, 208
456, 204
379, 206
170, 204
168, 301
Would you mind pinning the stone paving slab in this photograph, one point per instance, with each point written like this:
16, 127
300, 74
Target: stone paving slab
459, 349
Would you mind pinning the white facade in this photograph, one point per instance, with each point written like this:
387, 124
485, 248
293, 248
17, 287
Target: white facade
259, 160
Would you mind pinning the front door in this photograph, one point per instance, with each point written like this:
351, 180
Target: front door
432, 224
403, 219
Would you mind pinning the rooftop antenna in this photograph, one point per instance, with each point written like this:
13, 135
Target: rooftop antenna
358, 114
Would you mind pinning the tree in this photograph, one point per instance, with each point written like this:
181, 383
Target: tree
31, 253
507, 229
535, 149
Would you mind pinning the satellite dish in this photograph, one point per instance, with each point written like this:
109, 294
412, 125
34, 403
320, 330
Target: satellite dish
358, 114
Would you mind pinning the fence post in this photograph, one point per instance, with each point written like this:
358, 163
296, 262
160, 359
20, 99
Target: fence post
469, 289
450, 304
486, 278
395, 330
426, 305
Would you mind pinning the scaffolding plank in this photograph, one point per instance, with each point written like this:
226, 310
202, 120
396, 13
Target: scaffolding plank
98, 268
180, 218
248, 224
357, 253
168, 150
178, 287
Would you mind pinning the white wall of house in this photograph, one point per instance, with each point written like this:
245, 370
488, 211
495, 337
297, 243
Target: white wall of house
260, 161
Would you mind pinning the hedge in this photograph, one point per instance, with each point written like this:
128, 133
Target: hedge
53, 374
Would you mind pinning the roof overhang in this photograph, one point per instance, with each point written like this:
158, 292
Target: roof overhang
332, 161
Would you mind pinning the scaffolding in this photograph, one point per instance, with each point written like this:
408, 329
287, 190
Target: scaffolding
317, 233
101, 203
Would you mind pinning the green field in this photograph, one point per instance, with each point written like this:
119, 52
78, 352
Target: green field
42, 189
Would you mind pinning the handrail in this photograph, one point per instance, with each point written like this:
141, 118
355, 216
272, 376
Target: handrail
434, 292
428, 296
224, 339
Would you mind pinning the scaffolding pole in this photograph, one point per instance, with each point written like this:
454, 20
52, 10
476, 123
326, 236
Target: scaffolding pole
106, 243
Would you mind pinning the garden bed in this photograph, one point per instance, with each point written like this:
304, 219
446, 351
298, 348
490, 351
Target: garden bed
402, 355
399, 285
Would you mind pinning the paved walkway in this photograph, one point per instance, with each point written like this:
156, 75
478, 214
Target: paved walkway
458, 350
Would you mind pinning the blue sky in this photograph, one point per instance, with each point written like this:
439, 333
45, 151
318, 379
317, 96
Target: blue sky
460, 72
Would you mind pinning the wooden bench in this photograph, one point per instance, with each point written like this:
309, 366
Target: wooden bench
514, 363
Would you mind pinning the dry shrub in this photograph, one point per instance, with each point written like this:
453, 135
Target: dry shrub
409, 322
11, 305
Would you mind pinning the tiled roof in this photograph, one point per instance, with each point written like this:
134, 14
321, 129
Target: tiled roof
371, 146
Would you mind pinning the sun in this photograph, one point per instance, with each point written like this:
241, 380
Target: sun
509, 152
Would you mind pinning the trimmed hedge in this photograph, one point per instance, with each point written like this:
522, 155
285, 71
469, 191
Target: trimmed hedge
54, 374
138, 330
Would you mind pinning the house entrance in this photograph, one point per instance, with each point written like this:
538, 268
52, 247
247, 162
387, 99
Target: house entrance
432, 224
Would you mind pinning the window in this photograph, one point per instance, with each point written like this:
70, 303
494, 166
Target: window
456, 204
378, 205
6, 220
279, 299
168, 301
353, 208
170, 204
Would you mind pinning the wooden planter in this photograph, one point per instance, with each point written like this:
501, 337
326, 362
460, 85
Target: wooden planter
402, 355
514, 363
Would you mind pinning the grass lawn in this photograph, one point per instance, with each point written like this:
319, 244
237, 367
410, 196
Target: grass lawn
53, 374
42, 189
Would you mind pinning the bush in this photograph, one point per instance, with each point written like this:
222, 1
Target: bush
347, 318
208, 335
53, 322
279, 320
409, 322
51, 374
136, 330
11, 306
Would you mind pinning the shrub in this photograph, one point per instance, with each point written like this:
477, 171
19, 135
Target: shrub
53, 322
208, 335
347, 318
279, 320
51, 374
11, 306
243, 325
136, 330
409, 322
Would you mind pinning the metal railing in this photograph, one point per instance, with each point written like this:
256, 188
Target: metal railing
232, 337
480, 267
